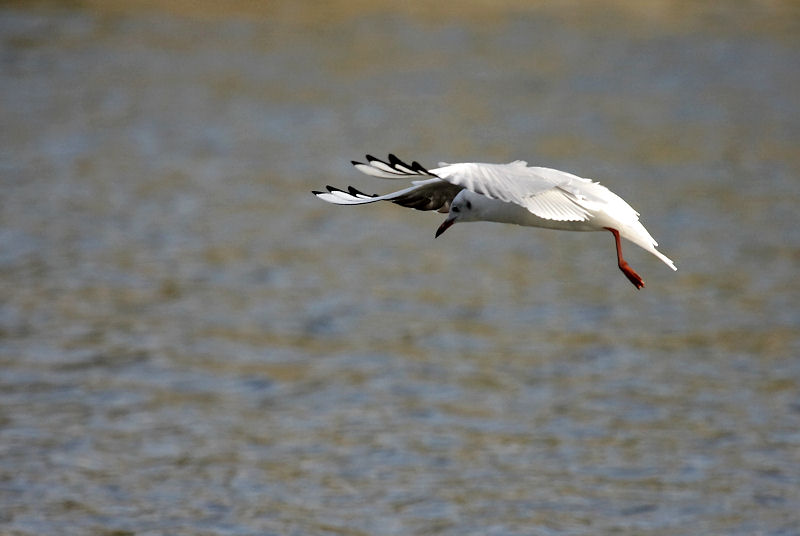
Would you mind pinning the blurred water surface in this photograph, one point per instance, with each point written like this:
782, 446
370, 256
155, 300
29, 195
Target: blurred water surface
190, 343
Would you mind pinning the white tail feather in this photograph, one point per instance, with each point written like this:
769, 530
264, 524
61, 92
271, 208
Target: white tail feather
637, 234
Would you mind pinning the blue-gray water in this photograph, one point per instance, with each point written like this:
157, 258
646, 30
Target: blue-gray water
191, 343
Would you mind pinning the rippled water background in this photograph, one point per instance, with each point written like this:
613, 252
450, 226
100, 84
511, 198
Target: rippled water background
190, 343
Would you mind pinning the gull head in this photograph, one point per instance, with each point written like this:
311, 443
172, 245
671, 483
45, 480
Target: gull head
464, 207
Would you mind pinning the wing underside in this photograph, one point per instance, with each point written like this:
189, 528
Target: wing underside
431, 194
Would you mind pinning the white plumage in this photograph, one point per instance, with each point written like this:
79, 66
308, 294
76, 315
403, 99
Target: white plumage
508, 193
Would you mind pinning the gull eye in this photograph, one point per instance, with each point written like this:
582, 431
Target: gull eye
455, 209
469, 205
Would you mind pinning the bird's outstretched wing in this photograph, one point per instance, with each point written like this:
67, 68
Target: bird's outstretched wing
547, 193
427, 193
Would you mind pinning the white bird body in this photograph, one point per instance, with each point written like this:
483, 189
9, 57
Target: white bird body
508, 193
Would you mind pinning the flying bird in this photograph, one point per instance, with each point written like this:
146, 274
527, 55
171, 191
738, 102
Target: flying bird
507, 193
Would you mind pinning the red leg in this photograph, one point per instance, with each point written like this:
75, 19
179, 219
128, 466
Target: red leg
632, 276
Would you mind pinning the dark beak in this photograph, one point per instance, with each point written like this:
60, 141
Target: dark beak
446, 224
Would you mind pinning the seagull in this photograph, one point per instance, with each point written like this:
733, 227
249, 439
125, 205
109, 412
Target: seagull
507, 193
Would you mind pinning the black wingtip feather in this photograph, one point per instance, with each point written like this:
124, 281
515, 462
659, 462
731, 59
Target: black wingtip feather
333, 188
356, 163
394, 162
316, 192
356, 193
416, 166
398, 162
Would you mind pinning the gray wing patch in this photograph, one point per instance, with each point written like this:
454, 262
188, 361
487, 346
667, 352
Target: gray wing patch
435, 196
